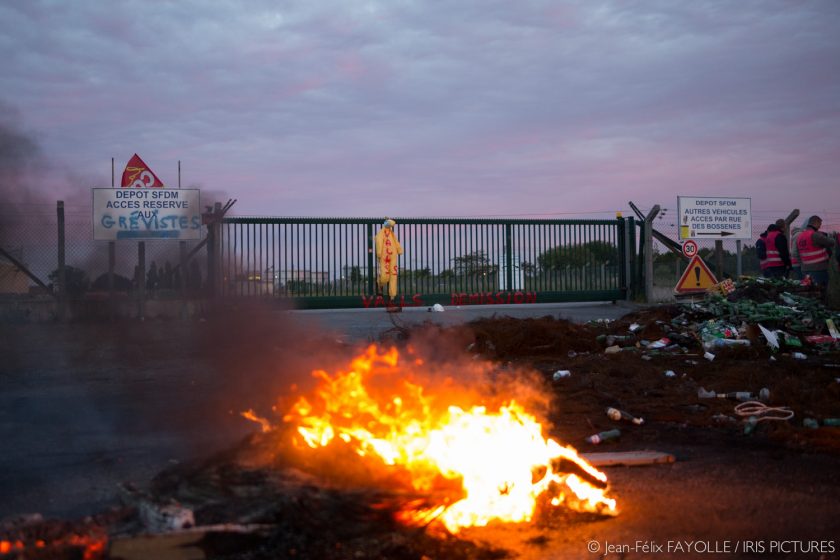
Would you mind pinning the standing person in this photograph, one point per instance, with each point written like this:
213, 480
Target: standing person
776, 261
388, 249
814, 253
795, 262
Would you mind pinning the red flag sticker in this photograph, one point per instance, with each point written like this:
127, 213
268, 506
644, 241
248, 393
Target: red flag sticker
138, 175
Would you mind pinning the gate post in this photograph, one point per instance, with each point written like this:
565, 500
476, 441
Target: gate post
371, 269
649, 253
509, 256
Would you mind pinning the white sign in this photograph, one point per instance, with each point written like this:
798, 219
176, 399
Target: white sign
146, 214
689, 248
714, 217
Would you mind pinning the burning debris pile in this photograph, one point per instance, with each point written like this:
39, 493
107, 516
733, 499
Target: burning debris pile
393, 456
408, 453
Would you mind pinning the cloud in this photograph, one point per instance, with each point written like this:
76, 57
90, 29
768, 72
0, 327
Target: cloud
411, 108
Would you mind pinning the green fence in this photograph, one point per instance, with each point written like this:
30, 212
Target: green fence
324, 262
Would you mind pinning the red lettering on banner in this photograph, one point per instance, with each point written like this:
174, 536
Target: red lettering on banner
379, 301
459, 298
489, 298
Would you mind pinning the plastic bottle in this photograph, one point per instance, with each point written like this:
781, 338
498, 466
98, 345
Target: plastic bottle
704, 394
810, 423
603, 436
616, 415
742, 396
723, 342
561, 374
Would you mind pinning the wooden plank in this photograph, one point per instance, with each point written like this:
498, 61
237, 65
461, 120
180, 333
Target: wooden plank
628, 458
175, 546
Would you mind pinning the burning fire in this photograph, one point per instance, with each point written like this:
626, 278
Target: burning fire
92, 547
474, 464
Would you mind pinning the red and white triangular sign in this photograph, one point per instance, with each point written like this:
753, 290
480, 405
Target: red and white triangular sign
696, 278
138, 175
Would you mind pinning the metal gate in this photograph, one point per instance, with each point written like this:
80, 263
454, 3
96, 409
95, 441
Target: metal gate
330, 262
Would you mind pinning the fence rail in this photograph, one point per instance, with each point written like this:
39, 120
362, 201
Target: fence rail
328, 262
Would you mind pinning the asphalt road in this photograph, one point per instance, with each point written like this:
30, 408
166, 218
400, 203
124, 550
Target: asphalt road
368, 324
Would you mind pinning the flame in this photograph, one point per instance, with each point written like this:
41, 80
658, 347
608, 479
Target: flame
93, 546
498, 459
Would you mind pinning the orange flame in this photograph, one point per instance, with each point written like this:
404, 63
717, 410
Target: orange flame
500, 460
93, 546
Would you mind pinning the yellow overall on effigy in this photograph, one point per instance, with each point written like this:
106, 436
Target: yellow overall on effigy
388, 249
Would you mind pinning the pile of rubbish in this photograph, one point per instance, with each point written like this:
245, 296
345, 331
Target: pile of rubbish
782, 315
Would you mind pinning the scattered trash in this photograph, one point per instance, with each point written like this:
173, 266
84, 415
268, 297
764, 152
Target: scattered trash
436, 308
635, 327
612, 350
603, 436
764, 395
562, 374
799, 356
832, 329
616, 415
820, 339
661, 343
749, 425
704, 394
810, 423
743, 396
709, 356
722, 342
670, 373
833, 422
758, 412
572, 354
772, 339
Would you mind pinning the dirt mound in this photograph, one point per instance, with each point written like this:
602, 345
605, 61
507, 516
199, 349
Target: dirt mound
663, 385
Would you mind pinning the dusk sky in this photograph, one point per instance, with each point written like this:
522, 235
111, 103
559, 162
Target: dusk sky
456, 108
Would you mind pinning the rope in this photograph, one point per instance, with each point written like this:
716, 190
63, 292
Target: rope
756, 412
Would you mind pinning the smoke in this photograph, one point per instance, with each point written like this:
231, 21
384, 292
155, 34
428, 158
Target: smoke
21, 159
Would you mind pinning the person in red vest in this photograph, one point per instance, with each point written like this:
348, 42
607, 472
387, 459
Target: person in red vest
796, 264
814, 252
776, 261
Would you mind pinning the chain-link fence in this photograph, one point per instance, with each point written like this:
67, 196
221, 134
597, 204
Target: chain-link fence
29, 235
669, 267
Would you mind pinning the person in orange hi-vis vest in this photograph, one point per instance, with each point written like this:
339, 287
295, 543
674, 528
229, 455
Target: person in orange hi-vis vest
388, 249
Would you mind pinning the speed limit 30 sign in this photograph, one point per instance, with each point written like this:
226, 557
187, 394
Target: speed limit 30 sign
689, 248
